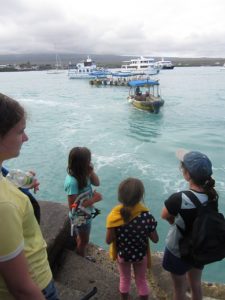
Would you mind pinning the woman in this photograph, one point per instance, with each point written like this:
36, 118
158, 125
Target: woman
24, 267
180, 212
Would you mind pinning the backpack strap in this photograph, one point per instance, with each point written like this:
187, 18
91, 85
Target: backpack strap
194, 199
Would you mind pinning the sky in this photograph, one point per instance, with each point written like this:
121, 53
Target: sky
167, 28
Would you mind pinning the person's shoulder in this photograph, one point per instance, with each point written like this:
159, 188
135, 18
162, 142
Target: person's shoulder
175, 196
70, 183
70, 179
173, 203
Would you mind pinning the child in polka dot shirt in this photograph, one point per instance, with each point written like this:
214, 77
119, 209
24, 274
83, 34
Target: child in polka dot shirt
129, 227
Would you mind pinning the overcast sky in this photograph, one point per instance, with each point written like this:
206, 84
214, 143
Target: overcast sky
184, 28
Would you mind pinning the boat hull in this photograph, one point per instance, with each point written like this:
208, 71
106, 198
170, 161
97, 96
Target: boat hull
168, 67
152, 106
80, 76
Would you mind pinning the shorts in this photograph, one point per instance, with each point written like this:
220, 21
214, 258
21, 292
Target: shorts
84, 228
176, 265
50, 291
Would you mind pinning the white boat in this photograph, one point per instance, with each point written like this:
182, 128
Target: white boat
165, 64
82, 70
58, 66
141, 64
222, 68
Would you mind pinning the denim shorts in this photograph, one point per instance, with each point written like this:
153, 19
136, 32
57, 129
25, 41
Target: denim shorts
176, 265
84, 228
50, 291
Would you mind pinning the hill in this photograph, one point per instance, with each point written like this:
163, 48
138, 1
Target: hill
101, 60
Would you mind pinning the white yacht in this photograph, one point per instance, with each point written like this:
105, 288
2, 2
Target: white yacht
141, 65
165, 64
222, 68
82, 70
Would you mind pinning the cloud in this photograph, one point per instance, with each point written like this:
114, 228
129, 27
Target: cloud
159, 28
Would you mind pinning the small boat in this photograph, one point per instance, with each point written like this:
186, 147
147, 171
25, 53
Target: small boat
141, 64
86, 69
149, 100
222, 68
117, 78
165, 64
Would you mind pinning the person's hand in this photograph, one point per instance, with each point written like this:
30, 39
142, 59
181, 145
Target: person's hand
91, 168
96, 197
35, 184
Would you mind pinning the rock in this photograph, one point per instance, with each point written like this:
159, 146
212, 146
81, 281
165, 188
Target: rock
76, 276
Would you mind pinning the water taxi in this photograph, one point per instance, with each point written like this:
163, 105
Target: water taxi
149, 99
117, 78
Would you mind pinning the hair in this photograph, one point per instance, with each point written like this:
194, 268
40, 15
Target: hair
207, 184
79, 165
11, 112
130, 192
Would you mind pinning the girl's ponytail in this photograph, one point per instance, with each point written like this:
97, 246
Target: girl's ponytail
125, 214
130, 192
209, 189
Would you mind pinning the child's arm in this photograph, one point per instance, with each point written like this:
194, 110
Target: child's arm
95, 198
167, 216
154, 236
94, 179
110, 235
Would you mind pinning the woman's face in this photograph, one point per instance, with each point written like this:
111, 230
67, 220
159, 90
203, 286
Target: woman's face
11, 143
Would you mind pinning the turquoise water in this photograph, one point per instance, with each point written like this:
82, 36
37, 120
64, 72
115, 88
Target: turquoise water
64, 113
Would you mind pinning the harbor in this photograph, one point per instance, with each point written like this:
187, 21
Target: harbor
124, 141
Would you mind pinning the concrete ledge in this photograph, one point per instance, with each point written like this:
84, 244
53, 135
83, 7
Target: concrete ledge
55, 228
75, 276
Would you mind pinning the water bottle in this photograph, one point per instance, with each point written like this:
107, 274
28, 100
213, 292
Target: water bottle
20, 178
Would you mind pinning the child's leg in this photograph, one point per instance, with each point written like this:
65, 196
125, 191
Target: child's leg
140, 269
82, 238
125, 277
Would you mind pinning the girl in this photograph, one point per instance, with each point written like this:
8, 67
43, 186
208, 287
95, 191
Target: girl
24, 267
129, 226
79, 179
179, 210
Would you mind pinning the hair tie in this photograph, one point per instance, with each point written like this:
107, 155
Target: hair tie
209, 183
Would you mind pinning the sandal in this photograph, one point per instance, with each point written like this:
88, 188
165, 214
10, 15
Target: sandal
90, 258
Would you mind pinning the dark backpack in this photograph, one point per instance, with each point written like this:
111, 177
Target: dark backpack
205, 243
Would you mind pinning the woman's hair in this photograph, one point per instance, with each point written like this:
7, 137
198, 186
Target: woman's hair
207, 184
11, 112
130, 192
79, 165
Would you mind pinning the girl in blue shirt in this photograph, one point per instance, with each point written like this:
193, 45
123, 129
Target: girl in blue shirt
79, 180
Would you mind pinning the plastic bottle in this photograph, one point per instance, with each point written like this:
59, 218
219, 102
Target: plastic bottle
20, 178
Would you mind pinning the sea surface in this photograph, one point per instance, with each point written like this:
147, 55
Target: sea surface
124, 141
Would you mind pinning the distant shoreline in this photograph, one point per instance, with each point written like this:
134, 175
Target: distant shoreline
47, 61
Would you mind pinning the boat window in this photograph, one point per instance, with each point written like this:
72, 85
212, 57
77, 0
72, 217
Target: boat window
87, 63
